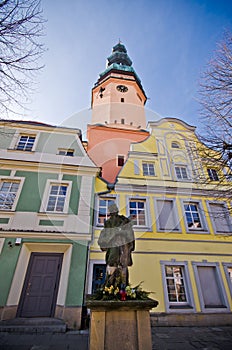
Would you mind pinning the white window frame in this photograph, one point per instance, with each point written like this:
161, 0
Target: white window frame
146, 211
148, 165
43, 207
204, 228
175, 214
182, 166
178, 306
17, 137
227, 217
97, 206
229, 281
19, 180
220, 284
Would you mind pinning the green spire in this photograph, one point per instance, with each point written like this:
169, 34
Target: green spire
119, 60
119, 56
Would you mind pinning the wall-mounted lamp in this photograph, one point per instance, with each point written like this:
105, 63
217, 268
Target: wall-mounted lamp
18, 241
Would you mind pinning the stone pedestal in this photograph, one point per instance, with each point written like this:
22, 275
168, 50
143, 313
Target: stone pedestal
121, 325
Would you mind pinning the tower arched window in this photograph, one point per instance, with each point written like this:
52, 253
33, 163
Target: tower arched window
175, 144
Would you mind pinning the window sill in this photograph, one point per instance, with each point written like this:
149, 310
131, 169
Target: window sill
46, 213
180, 307
184, 180
164, 230
99, 226
20, 150
7, 211
223, 233
198, 231
215, 307
142, 228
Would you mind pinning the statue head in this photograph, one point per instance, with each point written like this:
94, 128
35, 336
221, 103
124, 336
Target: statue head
113, 209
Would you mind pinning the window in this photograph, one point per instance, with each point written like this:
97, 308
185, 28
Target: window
8, 192
220, 217
192, 216
103, 209
175, 284
66, 152
120, 160
210, 286
175, 144
181, 172
167, 219
122, 121
148, 169
99, 276
25, 143
122, 99
229, 269
213, 174
228, 273
137, 212
57, 196
177, 287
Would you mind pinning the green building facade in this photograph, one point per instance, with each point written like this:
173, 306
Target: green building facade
46, 198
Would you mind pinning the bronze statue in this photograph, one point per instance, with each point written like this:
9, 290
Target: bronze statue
117, 239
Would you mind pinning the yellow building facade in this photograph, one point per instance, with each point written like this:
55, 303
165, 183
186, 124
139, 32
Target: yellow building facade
183, 229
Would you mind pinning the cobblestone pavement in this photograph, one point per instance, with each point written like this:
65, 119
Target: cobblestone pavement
191, 338
163, 338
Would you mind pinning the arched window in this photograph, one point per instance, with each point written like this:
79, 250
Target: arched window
175, 144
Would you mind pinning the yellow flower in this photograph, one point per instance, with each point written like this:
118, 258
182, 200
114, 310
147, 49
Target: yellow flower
116, 291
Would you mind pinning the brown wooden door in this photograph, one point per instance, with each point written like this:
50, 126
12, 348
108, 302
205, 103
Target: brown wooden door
38, 298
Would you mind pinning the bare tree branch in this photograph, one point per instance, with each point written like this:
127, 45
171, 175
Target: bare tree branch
216, 110
21, 28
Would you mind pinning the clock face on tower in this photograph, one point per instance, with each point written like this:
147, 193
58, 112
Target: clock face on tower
122, 88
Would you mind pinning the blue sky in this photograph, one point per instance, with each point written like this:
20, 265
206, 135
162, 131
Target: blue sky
169, 42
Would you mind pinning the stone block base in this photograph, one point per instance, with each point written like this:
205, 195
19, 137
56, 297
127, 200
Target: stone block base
8, 312
70, 314
120, 324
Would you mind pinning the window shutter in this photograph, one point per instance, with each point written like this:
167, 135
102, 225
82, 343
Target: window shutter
166, 216
209, 287
220, 217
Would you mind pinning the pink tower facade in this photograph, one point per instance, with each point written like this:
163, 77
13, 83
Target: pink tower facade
118, 114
